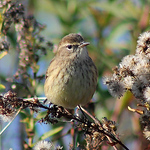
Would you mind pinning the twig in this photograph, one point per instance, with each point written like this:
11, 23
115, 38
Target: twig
107, 135
10, 121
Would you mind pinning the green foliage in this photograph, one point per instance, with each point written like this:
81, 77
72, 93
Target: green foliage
2, 87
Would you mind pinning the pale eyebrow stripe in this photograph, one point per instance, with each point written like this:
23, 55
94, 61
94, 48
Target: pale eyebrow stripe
70, 44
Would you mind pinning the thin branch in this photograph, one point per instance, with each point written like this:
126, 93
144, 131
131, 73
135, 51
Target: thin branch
10, 121
102, 131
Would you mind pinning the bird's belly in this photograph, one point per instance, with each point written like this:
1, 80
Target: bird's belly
73, 89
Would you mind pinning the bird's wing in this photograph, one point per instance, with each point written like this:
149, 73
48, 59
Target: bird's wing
47, 72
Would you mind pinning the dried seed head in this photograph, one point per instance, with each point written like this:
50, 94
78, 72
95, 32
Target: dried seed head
43, 145
143, 44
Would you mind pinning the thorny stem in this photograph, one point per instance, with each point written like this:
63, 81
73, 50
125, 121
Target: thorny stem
71, 116
108, 135
111, 142
97, 122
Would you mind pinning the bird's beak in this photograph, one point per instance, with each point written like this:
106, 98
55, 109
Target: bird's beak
84, 44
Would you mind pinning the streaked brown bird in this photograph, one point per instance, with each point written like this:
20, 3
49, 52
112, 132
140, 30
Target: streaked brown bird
71, 77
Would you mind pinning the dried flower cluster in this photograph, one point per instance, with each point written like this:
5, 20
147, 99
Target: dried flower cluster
133, 74
10, 103
4, 44
45, 145
30, 44
94, 136
145, 122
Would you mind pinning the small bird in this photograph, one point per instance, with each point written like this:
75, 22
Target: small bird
71, 77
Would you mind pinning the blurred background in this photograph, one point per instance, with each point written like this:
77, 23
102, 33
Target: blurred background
112, 27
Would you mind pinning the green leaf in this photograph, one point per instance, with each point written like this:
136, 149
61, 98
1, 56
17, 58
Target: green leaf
41, 115
127, 97
50, 133
2, 87
2, 54
121, 10
118, 31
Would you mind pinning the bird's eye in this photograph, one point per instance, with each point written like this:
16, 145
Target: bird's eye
69, 47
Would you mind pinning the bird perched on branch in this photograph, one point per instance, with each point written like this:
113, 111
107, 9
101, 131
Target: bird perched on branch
71, 77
